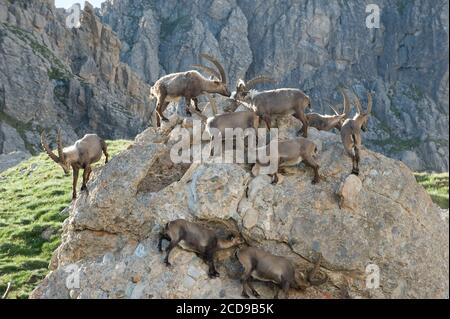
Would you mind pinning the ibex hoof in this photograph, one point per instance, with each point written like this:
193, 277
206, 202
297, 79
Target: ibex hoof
245, 295
315, 181
257, 295
355, 172
83, 188
168, 264
214, 275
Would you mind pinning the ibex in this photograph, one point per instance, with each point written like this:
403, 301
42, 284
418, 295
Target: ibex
351, 132
261, 265
291, 153
204, 241
190, 85
80, 155
328, 122
242, 86
275, 103
242, 119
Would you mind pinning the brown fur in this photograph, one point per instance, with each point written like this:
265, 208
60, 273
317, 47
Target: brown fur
277, 103
80, 155
243, 120
351, 133
205, 242
292, 152
264, 266
190, 85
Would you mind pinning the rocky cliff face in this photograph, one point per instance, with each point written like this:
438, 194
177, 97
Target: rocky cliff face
316, 46
382, 218
51, 75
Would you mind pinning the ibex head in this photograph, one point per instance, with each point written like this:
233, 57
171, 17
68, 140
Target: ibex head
60, 159
219, 78
243, 88
363, 116
231, 239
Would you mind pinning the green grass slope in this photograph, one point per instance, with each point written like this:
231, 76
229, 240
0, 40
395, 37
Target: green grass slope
32, 195
436, 185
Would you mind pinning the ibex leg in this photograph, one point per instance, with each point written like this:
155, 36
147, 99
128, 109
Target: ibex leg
105, 151
312, 163
300, 114
196, 104
74, 183
245, 279
356, 159
86, 173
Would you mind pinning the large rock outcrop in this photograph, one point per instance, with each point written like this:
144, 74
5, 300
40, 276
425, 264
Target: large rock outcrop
52, 75
110, 238
316, 46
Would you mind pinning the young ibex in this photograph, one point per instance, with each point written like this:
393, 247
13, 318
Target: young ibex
261, 265
328, 122
351, 132
80, 155
190, 85
275, 103
242, 119
291, 153
204, 241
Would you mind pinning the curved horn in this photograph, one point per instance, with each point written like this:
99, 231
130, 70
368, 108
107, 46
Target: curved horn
334, 110
258, 79
208, 70
59, 143
47, 148
219, 66
346, 102
369, 103
357, 103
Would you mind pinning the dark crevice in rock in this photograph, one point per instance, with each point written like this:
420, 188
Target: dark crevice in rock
162, 173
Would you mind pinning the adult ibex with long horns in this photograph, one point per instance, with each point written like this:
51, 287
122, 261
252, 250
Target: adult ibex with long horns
80, 155
190, 85
351, 132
